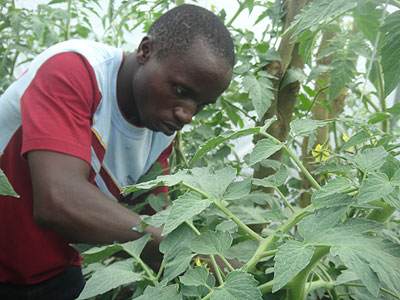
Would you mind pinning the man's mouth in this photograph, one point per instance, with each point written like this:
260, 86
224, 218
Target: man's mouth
169, 128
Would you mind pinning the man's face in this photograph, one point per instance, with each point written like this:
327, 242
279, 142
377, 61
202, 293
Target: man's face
169, 92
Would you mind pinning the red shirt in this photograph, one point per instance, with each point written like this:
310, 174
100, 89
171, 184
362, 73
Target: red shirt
28, 253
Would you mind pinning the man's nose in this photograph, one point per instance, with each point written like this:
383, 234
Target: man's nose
184, 113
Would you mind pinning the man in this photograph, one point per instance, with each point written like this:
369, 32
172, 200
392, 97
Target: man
81, 123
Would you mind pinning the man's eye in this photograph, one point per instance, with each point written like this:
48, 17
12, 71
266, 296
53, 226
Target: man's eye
179, 91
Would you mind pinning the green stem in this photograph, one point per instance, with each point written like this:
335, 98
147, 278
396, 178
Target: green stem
217, 270
382, 289
297, 287
226, 262
235, 219
284, 199
306, 173
315, 99
14, 62
270, 253
148, 271
67, 24
266, 287
382, 213
272, 238
381, 96
242, 6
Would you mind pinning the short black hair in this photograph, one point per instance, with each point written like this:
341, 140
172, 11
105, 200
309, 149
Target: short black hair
178, 28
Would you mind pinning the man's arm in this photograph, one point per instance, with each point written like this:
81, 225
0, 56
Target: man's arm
68, 204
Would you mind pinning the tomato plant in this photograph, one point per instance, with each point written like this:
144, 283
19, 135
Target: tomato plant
311, 210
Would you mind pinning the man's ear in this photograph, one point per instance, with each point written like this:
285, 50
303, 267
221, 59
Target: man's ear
145, 49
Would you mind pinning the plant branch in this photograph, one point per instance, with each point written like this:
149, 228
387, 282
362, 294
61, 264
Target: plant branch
284, 199
242, 6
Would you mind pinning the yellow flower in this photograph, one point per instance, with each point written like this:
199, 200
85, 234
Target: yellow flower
212, 7
346, 138
319, 153
198, 261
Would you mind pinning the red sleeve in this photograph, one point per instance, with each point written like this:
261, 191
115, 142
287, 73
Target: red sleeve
58, 105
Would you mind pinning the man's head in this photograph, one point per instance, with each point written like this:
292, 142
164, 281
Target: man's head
184, 63
175, 31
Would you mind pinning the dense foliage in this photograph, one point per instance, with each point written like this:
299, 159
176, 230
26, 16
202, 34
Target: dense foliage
312, 210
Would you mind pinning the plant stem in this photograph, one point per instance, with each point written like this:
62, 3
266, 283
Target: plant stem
226, 263
235, 219
148, 271
242, 6
284, 199
382, 289
270, 253
217, 270
297, 287
266, 287
381, 214
381, 95
272, 238
306, 173
67, 24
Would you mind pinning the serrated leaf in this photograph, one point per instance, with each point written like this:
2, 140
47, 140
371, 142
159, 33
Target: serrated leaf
376, 186
260, 93
5, 187
243, 251
135, 248
304, 127
239, 285
183, 209
275, 180
263, 149
228, 135
393, 199
161, 292
332, 167
333, 186
341, 73
211, 242
395, 109
357, 139
158, 219
109, 278
323, 219
268, 123
289, 261
370, 159
195, 277
331, 200
318, 12
367, 20
292, 75
99, 253
354, 261
390, 52
177, 255
238, 189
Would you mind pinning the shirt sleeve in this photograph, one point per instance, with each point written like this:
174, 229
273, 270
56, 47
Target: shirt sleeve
58, 106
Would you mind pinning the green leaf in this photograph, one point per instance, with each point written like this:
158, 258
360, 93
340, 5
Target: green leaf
336, 185
135, 248
304, 127
158, 219
292, 75
161, 292
177, 255
275, 180
323, 219
289, 261
376, 186
331, 200
211, 242
367, 20
263, 149
260, 93
228, 135
319, 12
390, 52
195, 277
393, 199
354, 261
370, 159
238, 189
378, 117
357, 139
183, 209
96, 254
395, 109
239, 285
5, 187
341, 73
109, 278
243, 251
